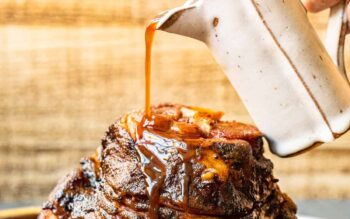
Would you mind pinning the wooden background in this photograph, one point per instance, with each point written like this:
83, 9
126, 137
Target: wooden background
68, 68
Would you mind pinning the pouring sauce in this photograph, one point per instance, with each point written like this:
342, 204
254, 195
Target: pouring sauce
161, 137
149, 36
153, 166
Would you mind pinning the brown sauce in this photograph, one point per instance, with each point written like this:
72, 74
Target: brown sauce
152, 166
188, 134
155, 171
149, 36
157, 137
154, 150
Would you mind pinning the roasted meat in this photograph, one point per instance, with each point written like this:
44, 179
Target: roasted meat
183, 162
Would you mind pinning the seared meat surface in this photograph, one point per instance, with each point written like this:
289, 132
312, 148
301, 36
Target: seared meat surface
184, 162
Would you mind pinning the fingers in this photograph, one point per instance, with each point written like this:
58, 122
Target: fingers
348, 13
319, 5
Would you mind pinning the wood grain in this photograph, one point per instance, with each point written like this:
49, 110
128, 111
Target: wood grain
20, 213
82, 12
69, 68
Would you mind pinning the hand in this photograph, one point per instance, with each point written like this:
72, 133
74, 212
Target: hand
319, 5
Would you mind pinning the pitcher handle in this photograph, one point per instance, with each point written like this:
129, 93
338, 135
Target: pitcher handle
335, 35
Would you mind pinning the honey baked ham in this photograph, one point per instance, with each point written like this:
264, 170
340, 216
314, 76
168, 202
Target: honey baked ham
184, 162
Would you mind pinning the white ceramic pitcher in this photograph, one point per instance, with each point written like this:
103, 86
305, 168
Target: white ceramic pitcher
273, 57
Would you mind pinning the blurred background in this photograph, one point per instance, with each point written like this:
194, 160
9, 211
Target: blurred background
68, 68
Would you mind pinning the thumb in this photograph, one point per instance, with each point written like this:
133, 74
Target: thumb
319, 5
348, 15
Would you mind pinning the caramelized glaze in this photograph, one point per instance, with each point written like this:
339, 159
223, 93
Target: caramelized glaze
146, 168
188, 132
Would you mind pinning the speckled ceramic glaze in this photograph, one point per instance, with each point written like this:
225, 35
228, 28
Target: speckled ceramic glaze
273, 57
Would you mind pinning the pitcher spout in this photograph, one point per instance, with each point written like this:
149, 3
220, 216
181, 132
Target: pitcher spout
184, 20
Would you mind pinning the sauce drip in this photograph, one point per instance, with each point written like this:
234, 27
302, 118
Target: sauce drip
155, 151
181, 136
149, 36
155, 171
172, 140
152, 165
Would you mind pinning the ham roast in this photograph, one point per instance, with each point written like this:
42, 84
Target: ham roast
183, 162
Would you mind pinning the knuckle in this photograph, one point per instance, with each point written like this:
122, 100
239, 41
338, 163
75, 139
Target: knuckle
311, 6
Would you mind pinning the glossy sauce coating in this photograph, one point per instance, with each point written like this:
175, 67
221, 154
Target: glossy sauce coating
173, 165
187, 132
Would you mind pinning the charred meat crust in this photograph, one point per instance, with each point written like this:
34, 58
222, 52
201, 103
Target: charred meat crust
226, 175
